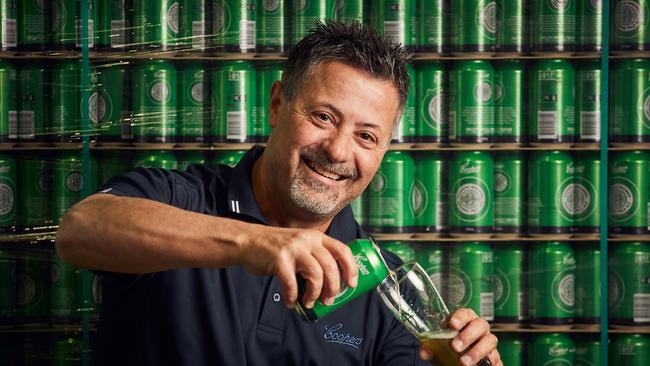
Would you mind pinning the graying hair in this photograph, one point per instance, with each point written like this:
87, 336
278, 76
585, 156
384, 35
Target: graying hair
353, 44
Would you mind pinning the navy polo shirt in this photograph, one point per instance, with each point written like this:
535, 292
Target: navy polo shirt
228, 316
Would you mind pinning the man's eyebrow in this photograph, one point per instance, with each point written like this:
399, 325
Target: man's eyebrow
368, 125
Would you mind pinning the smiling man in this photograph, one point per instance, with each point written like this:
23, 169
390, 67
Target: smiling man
200, 266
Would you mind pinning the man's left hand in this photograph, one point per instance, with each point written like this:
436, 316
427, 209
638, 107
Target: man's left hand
474, 340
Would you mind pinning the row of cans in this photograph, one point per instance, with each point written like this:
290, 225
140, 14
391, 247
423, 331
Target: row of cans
36, 191
274, 26
477, 192
36, 286
46, 349
550, 284
578, 350
150, 102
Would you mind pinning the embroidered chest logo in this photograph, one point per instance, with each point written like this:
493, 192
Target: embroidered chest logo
336, 334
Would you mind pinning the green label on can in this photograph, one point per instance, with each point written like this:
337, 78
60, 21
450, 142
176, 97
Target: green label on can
110, 104
8, 198
33, 281
509, 193
65, 94
305, 12
551, 349
510, 288
157, 23
429, 198
31, 17
590, 29
431, 25
396, 21
470, 279
550, 192
348, 11
587, 285
113, 24
628, 193
194, 27
552, 106
630, 25
233, 25
554, 25
32, 116
272, 32
7, 285
586, 194
630, 101
34, 202
432, 258
629, 284
475, 25
471, 188
588, 102
266, 76
154, 102
8, 103
193, 103
551, 284
9, 29
629, 350
405, 130
431, 102
66, 290
509, 107
234, 93
471, 111
513, 26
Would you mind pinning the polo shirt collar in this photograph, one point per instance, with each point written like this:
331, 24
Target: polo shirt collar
241, 200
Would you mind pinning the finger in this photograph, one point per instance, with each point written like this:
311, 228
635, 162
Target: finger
472, 332
286, 274
425, 353
343, 255
311, 271
461, 317
331, 277
485, 345
495, 358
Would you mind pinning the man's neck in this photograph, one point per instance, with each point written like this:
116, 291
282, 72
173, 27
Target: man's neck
278, 211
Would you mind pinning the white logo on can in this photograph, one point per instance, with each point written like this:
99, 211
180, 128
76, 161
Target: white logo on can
418, 198
378, 183
560, 4
621, 199
271, 5
96, 108
627, 16
197, 92
74, 182
433, 109
470, 199
489, 17
581, 199
6, 199
501, 182
160, 91
483, 91
172, 17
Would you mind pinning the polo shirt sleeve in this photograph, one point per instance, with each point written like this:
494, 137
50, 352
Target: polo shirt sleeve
150, 183
400, 348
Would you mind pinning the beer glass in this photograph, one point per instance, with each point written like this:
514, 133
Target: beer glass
416, 303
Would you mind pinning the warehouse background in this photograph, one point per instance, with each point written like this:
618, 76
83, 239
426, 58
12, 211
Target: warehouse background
496, 180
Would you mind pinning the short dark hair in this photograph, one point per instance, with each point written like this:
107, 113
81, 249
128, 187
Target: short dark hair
353, 44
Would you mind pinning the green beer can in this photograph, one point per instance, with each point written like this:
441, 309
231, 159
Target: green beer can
551, 284
65, 105
195, 24
551, 349
471, 103
512, 349
187, 158
629, 350
273, 26
34, 196
304, 14
349, 11
62, 24
8, 193
629, 284
396, 20
156, 24
359, 207
372, 271
471, 176
587, 350
68, 183
630, 30
553, 25
267, 74
391, 191
586, 192
552, 104
629, 119
474, 26
111, 163
114, 25
510, 285
587, 285
405, 130
513, 32
8, 104
155, 159
234, 93
509, 102
588, 101
430, 205
9, 29
31, 24
66, 289
193, 103
471, 274
7, 285
432, 257
233, 25
154, 102
432, 17
228, 157
628, 196
33, 117
33, 284
589, 29
550, 193
110, 105
431, 102
401, 249
509, 193
67, 352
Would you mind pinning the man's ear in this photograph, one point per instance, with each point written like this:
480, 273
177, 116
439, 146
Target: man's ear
276, 103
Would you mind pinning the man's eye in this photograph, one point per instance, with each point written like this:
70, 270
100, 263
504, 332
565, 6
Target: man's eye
323, 117
365, 136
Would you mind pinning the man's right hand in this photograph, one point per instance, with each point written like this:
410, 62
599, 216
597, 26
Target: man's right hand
285, 252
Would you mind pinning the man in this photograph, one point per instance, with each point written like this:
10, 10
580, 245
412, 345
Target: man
196, 264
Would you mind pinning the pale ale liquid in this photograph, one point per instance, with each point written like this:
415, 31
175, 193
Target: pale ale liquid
440, 345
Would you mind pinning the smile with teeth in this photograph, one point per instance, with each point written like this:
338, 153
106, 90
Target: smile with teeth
323, 172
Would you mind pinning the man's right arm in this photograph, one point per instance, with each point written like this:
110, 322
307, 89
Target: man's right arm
134, 235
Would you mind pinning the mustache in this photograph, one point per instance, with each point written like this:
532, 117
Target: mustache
320, 159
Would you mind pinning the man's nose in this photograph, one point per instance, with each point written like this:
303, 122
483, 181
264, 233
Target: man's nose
338, 146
